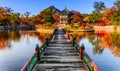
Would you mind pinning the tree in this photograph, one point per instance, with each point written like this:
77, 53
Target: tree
99, 6
4, 15
14, 18
56, 17
76, 17
97, 13
27, 14
107, 15
117, 5
116, 18
47, 16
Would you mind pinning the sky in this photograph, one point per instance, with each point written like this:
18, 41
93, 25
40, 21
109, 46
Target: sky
35, 6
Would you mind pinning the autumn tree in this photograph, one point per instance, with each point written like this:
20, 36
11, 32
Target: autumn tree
107, 15
56, 17
117, 5
116, 16
97, 13
76, 17
14, 18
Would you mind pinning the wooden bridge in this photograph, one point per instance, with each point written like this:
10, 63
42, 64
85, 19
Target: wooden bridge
59, 54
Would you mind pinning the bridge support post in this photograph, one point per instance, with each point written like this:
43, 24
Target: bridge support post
73, 41
81, 51
37, 49
47, 40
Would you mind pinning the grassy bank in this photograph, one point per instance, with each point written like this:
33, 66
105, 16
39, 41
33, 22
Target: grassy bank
78, 28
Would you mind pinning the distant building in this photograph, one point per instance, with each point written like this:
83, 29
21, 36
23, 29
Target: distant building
62, 17
65, 16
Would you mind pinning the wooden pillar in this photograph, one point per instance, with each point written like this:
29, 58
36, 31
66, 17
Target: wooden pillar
73, 41
81, 51
37, 49
47, 40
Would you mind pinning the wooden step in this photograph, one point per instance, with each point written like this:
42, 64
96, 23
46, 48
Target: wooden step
60, 55
60, 45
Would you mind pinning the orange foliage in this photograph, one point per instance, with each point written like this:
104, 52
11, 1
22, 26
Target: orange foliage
76, 17
56, 17
107, 14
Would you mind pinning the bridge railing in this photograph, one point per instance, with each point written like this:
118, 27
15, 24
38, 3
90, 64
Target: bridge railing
36, 56
84, 56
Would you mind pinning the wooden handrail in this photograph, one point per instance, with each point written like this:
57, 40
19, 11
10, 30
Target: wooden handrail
85, 57
28, 62
82, 52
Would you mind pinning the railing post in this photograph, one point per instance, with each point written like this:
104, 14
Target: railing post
47, 40
37, 49
81, 51
73, 41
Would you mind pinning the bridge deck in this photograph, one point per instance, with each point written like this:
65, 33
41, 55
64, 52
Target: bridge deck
60, 55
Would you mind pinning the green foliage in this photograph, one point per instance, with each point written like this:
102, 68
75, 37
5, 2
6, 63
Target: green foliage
99, 6
49, 24
117, 5
116, 18
14, 18
47, 16
115, 39
96, 14
3, 21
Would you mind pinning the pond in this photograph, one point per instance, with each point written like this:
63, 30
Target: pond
102, 47
16, 47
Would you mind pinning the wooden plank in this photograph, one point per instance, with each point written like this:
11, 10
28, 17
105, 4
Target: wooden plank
60, 55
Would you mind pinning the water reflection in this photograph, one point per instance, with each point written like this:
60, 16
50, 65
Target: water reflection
43, 36
102, 47
100, 41
16, 47
7, 36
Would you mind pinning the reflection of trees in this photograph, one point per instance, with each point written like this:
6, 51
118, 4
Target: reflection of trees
7, 36
97, 50
4, 44
42, 36
78, 35
115, 37
95, 40
101, 41
14, 35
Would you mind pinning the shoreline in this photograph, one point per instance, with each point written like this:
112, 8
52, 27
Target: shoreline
20, 27
45, 30
80, 30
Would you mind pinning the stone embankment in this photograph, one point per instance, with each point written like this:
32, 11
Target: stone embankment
26, 27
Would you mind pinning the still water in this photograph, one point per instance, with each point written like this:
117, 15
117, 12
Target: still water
103, 48
16, 47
